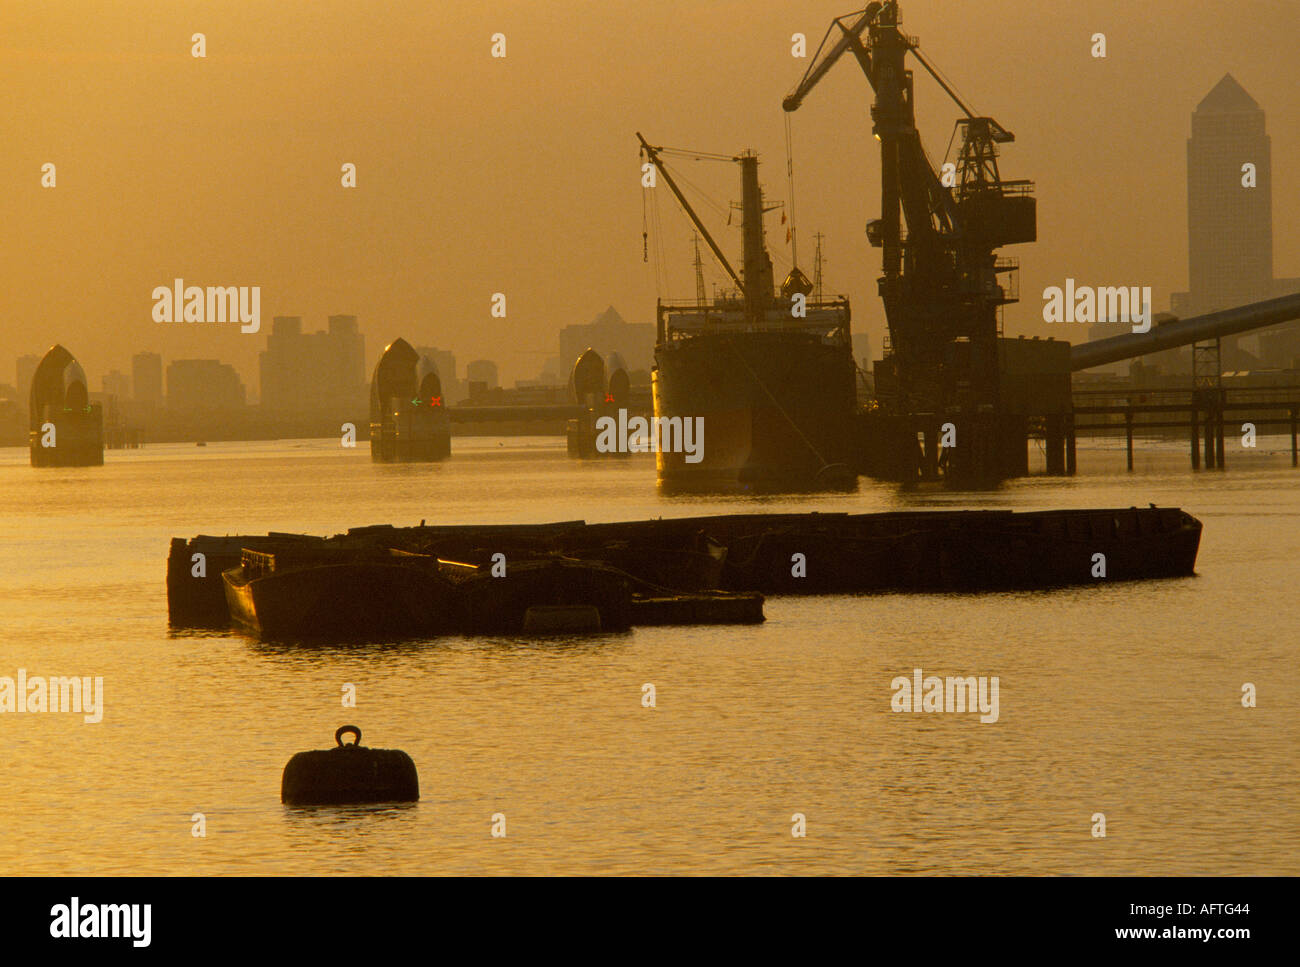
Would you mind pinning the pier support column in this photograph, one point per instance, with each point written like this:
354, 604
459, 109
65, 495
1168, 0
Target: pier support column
1009, 439
1054, 444
930, 469
1071, 463
1128, 436
914, 468
1295, 454
1209, 439
1218, 437
1196, 439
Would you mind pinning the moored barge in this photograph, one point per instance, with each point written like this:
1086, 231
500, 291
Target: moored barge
658, 560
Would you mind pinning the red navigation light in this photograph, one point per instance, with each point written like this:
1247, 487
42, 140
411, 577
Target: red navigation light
435, 401
609, 397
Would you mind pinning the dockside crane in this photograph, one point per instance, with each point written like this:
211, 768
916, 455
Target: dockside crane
942, 282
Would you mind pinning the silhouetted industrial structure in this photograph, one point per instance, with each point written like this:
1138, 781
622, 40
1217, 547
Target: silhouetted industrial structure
408, 415
1208, 402
66, 428
943, 285
203, 386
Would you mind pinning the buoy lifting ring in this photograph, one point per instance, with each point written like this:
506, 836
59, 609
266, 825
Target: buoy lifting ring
344, 730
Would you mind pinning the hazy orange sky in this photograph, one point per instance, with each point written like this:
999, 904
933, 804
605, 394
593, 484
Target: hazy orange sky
520, 175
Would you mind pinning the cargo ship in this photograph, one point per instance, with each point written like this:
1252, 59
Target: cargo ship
768, 374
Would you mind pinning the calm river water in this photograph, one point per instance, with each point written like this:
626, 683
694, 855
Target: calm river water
1122, 699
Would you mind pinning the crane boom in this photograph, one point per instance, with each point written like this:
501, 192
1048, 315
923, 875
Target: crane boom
818, 68
653, 154
851, 39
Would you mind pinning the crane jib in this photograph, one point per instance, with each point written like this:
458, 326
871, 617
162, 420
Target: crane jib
653, 154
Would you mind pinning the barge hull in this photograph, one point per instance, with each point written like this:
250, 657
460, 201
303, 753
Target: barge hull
918, 551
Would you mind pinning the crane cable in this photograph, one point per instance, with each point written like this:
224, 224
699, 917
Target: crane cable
703, 196
696, 155
650, 213
944, 80
645, 228
661, 269
789, 171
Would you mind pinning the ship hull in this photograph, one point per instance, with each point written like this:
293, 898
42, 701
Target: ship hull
340, 602
776, 409
839, 553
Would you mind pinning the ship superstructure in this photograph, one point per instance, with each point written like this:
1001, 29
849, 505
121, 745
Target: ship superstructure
770, 372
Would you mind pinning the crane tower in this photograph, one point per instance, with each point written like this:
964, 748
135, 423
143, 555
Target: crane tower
942, 282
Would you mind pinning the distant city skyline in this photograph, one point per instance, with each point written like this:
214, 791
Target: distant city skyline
229, 168
607, 329
305, 371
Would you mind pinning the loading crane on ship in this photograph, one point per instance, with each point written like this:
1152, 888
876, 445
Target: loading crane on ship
755, 281
942, 282
654, 153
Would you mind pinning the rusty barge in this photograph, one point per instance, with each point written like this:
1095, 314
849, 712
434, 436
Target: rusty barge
573, 576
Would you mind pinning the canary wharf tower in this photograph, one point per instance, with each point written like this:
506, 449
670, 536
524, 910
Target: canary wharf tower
1229, 224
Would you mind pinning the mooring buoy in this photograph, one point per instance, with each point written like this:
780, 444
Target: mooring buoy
349, 774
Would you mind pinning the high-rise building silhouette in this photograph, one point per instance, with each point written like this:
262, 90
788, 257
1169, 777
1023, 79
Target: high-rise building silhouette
203, 386
116, 384
1230, 216
26, 369
147, 378
609, 333
320, 373
1229, 225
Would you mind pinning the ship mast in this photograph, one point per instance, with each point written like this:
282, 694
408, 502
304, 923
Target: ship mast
756, 285
758, 264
